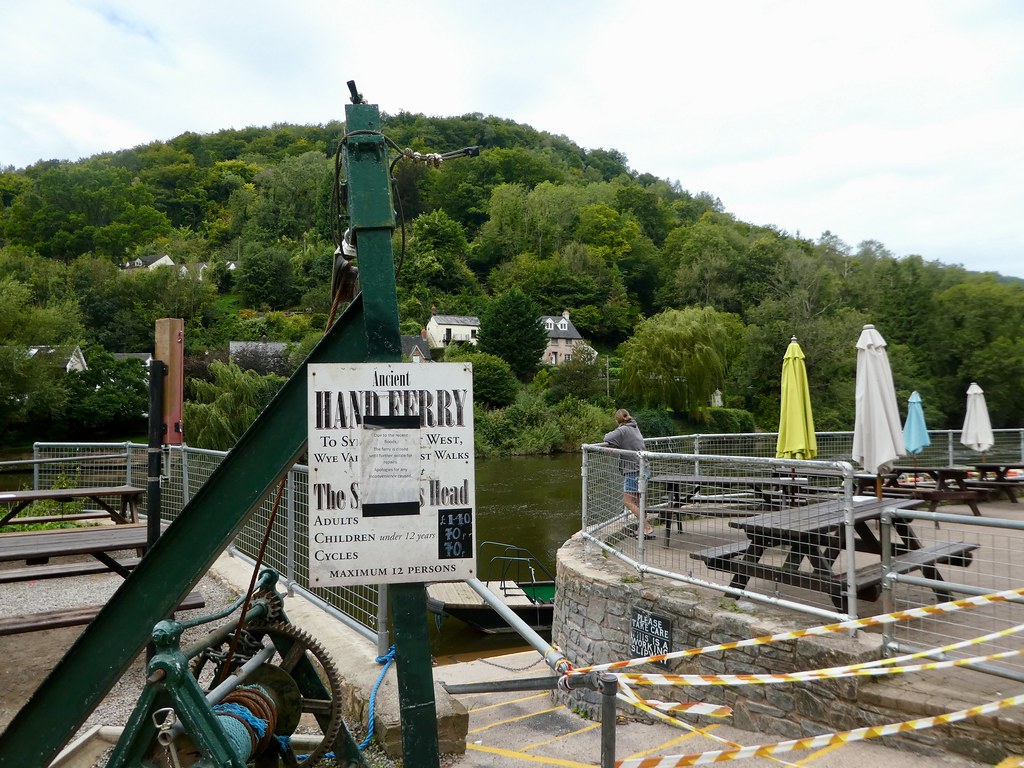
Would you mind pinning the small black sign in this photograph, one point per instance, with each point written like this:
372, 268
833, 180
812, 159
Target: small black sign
649, 635
454, 533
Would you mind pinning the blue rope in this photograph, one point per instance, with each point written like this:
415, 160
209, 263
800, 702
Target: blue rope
258, 724
386, 660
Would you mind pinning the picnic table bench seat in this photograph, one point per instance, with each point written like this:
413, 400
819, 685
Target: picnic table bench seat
62, 570
71, 617
1007, 488
729, 558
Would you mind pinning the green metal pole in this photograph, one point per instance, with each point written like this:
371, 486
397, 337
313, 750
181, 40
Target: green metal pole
371, 216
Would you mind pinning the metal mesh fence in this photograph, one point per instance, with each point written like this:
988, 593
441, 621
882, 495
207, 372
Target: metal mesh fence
991, 565
945, 449
698, 504
184, 471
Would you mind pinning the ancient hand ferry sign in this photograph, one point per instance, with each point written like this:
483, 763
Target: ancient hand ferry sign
392, 491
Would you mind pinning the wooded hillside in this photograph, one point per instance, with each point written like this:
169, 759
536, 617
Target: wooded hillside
573, 228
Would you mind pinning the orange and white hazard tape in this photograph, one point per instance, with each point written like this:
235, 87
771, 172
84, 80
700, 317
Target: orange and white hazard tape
871, 621
834, 673
824, 740
629, 696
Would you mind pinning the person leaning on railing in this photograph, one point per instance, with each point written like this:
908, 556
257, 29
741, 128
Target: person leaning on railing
626, 436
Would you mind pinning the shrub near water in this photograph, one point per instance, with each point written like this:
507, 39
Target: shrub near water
530, 426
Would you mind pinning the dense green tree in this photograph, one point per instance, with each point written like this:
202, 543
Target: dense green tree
109, 398
264, 278
510, 328
435, 256
675, 359
582, 377
494, 384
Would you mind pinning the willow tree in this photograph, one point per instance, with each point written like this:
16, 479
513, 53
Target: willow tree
225, 407
675, 359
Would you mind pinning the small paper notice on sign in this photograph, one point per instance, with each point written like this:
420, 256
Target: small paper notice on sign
391, 465
392, 491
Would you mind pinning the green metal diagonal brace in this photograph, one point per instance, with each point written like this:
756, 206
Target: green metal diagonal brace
367, 331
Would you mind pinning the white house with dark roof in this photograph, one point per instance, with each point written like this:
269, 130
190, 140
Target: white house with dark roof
70, 359
562, 337
442, 330
151, 261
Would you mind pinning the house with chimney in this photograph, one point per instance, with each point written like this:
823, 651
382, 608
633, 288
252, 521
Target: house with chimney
562, 337
442, 330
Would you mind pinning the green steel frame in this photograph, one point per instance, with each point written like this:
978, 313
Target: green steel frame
367, 331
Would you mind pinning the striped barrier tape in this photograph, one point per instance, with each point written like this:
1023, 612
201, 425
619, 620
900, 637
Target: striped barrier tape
824, 740
629, 696
815, 674
871, 621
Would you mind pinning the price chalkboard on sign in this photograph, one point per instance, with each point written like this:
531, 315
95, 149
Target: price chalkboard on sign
649, 635
454, 533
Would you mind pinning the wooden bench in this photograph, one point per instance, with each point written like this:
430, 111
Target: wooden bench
61, 570
37, 547
729, 558
1006, 487
71, 617
126, 512
956, 553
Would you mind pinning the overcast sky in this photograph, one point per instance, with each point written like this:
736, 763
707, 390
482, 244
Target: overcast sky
901, 122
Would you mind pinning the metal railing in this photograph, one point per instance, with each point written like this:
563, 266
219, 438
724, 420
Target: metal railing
945, 450
724, 478
184, 471
994, 566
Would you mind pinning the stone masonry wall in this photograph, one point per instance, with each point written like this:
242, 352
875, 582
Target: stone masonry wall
596, 597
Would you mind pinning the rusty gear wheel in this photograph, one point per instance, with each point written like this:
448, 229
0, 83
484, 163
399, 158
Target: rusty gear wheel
274, 603
294, 646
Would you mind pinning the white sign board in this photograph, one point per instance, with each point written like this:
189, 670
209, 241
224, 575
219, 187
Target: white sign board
392, 490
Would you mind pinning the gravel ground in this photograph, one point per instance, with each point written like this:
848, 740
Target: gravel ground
29, 657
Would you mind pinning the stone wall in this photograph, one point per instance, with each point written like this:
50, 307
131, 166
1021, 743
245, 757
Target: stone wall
596, 598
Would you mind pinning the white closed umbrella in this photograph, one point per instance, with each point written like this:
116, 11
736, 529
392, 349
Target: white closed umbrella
877, 431
977, 432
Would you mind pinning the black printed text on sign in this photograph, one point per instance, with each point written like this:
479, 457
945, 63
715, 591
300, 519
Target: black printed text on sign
392, 491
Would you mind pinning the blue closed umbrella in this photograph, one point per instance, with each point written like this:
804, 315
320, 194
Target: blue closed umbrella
915, 433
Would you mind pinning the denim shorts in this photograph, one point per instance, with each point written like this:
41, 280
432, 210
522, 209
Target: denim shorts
631, 481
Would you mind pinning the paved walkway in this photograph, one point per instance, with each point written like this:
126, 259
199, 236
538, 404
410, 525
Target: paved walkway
521, 729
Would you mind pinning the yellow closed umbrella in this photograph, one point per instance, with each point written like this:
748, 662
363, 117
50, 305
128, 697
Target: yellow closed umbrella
796, 422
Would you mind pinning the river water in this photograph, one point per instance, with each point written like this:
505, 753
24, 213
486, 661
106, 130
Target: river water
533, 502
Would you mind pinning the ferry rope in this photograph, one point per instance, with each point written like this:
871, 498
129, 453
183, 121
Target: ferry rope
872, 621
824, 740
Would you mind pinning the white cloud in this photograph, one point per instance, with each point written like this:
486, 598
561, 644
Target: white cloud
889, 121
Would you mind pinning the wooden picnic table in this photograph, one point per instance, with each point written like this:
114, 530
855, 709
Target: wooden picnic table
37, 547
941, 484
126, 512
815, 534
767, 489
101, 542
998, 471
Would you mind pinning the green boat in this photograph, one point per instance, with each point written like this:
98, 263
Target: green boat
512, 574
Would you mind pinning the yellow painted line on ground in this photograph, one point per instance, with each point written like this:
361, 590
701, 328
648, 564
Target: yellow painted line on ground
510, 701
516, 719
529, 758
672, 742
586, 728
1010, 762
819, 753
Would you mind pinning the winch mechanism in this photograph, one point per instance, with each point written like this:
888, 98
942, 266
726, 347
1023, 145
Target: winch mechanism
257, 690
